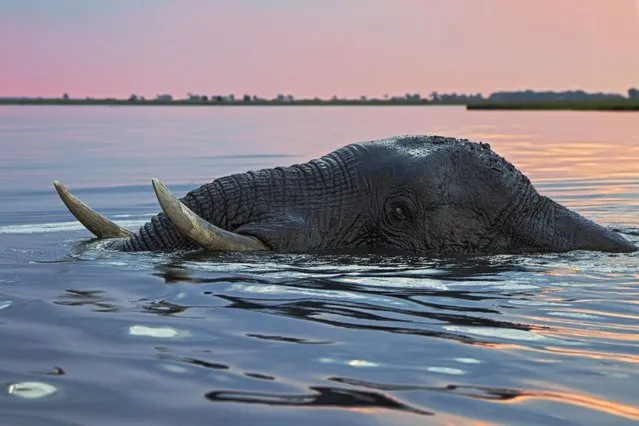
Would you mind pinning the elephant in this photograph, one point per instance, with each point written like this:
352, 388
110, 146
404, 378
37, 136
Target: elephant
420, 194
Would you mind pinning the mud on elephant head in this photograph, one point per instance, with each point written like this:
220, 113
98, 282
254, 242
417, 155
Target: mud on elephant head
428, 195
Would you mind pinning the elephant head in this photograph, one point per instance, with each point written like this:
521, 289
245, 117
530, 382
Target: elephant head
421, 194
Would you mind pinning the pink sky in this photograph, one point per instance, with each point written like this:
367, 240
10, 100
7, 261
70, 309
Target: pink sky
315, 48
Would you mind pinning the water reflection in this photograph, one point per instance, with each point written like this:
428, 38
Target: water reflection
322, 289
92, 298
322, 396
289, 339
507, 395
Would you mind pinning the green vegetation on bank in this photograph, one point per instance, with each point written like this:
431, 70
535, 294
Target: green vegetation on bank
503, 100
200, 103
614, 105
603, 105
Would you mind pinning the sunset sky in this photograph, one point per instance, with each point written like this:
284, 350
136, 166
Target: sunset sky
315, 48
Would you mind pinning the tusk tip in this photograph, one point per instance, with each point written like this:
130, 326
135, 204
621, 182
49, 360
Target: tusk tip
100, 226
159, 186
63, 192
165, 197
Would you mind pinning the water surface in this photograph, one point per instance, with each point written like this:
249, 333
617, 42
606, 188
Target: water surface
289, 339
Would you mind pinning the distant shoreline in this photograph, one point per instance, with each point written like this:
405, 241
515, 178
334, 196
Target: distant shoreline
227, 103
595, 105
612, 105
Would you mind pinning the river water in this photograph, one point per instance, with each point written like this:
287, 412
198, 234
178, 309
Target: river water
107, 338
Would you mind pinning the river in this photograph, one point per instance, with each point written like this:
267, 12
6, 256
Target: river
104, 338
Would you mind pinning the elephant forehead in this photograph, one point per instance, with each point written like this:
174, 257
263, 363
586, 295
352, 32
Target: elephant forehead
427, 148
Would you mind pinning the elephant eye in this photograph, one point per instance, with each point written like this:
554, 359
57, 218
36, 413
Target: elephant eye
400, 208
398, 213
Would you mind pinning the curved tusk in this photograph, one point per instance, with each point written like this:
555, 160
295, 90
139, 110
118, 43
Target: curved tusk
199, 230
99, 225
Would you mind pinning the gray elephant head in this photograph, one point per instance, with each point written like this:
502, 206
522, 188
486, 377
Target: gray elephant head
421, 194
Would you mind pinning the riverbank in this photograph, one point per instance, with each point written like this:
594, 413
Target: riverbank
613, 105
225, 103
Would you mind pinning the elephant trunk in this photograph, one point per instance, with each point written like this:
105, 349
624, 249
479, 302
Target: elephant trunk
244, 204
552, 227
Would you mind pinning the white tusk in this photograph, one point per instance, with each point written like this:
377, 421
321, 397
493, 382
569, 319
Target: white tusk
199, 230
